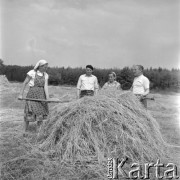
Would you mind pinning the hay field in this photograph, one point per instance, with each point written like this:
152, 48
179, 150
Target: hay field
165, 109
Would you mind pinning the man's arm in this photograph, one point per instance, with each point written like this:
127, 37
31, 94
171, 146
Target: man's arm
131, 88
95, 91
79, 87
146, 92
146, 84
96, 86
78, 93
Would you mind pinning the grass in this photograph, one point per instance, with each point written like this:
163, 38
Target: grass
165, 109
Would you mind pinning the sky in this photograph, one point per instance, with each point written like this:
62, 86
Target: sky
104, 33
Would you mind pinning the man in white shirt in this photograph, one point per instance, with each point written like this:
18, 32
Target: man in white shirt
140, 85
87, 84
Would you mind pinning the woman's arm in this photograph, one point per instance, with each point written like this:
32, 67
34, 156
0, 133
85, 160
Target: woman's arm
46, 88
26, 81
104, 86
119, 86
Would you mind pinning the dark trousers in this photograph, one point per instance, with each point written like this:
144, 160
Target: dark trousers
86, 93
142, 100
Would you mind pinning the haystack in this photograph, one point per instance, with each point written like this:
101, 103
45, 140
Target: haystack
3, 80
108, 125
4, 83
79, 137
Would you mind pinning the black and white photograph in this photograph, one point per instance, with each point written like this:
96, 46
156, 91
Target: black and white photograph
89, 89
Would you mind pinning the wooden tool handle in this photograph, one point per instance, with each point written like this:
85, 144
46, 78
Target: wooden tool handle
43, 100
149, 98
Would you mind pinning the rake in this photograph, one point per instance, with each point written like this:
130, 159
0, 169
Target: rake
51, 100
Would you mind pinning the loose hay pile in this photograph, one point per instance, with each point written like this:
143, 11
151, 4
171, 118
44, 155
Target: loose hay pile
3, 80
78, 138
4, 83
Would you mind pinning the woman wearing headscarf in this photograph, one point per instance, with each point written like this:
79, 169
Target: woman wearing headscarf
37, 79
112, 83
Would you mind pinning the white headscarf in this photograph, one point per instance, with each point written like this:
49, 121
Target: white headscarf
113, 73
40, 63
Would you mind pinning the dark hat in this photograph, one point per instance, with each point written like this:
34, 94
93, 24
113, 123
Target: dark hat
90, 67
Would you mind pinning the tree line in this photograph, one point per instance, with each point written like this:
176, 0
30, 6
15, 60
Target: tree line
159, 78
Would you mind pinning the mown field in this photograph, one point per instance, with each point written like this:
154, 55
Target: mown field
165, 109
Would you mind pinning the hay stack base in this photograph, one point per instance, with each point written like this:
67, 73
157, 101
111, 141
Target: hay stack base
78, 138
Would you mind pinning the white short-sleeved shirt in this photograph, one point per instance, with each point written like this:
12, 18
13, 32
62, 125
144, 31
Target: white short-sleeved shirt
87, 82
32, 74
140, 84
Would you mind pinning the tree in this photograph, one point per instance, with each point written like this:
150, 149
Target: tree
1, 66
125, 78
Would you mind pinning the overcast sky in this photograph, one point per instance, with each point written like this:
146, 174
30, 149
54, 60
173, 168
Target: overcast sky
104, 33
